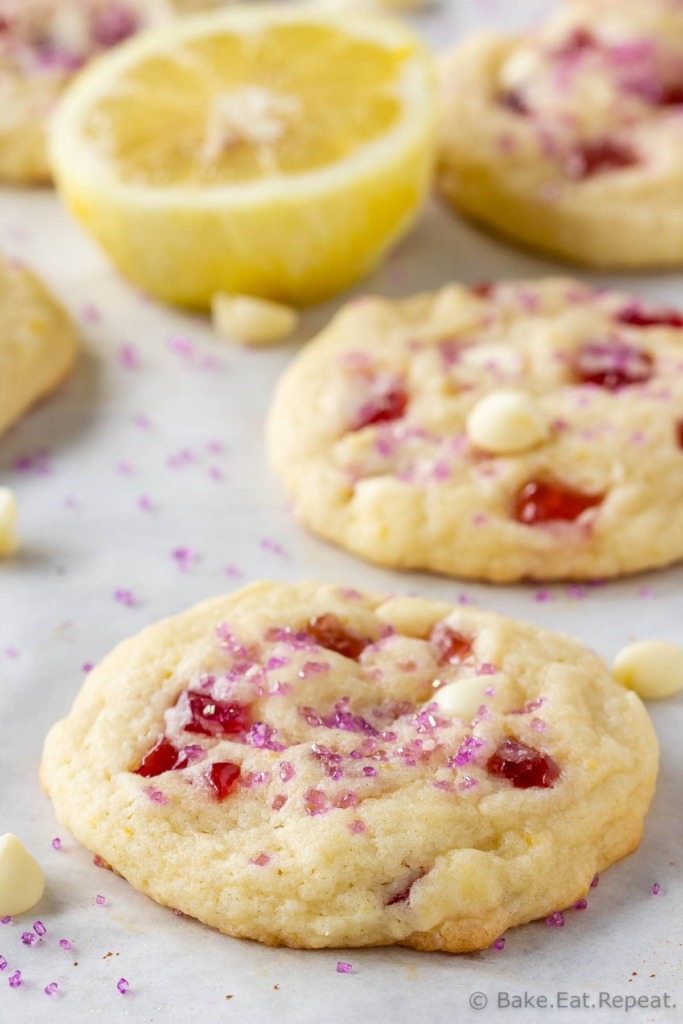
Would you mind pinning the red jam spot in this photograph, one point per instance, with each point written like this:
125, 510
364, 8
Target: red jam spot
539, 502
579, 40
599, 157
514, 102
679, 433
483, 289
216, 717
162, 757
383, 408
669, 95
523, 766
327, 631
452, 646
612, 364
222, 776
637, 316
403, 895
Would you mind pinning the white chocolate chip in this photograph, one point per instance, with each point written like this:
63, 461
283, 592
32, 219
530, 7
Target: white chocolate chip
8, 522
21, 880
252, 321
464, 697
653, 668
506, 422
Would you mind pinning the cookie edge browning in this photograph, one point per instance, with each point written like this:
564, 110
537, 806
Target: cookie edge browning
449, 935
614, 231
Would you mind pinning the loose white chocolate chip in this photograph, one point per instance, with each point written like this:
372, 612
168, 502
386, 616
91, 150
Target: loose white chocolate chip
8, 522
464, 697
21, 880
653, 668
252, 321
506, 422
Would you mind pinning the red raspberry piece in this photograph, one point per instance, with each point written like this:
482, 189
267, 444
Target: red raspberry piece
637, 316
452, 646
523, 766
222, 776
540, 502
612, 364
216, 717
599, 157
329, 632
162, 757
389, 405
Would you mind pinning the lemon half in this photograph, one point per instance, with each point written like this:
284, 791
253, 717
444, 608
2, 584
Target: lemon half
275, 152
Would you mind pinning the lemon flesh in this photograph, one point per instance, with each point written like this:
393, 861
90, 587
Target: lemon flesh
258, 150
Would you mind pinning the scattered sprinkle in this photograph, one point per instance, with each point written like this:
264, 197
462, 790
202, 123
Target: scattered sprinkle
100, 900
5, 920
122, 985
656, 889
261, 860
39, 928
499, 944
65, 944
15, 979
555, 920
3, 963
57, 842
50, 989
343, 967
125, 597
581, 904
595, 881
28, 938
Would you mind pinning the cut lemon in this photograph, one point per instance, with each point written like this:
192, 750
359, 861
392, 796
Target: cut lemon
275, 152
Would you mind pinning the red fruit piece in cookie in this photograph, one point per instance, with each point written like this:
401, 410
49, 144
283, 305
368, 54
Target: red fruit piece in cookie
329, 632
612, 364
222, 777
540, 502
599, 157
384, 407
452, 646
162, 757
525, 767
212, 717
635, 315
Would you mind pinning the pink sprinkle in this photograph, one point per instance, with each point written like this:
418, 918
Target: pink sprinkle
279, 802
267, 544
91, 314
15, 979
181, 345
100, 900
261, 860
28, 938
357, 826
143, 422
3, 963
656, 889
555, 920
128, 358
646, 592
65, 944
499, 944
287, 771
5, 920
576, 591
125, 597
369, 771
124, 468
11, 652
155, 795
87, 666
538, 724
543, 596
581, 904
233, 572
39, 928
56, 843
98, 861
184, 557
316, 801
343, 967
50, 989
122, 985
595, 881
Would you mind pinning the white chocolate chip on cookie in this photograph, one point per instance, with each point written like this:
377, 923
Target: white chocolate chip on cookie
653, 668
252, 321
21, 879
506, 422
464, 697
8, 522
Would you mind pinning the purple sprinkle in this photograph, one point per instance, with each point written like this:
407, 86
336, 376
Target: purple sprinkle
581, 904
124, 597
369, 771
555, 920
595, 881
357, 827
65, 944
343, 967
28, 938
15, 979
56, 843
100, 901
3, 963
50, 989
656, 889
5, 920
499, 944
39, 928
122, 986
287, 771
261, 860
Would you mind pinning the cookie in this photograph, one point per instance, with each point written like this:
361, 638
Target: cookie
376, 431
570, 138
313, 766
43, 44
37, 345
